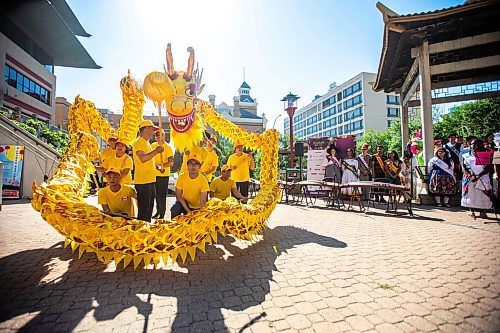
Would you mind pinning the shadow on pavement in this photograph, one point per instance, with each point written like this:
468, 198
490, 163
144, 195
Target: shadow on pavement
405, 215
11, 202
212, 284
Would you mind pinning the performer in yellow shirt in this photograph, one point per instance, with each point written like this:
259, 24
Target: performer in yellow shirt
120, 161
108, 151
105, 153
223, 186
211, 161
117, 199
198, 150
191, 189
162, 173
145, 170
241, 164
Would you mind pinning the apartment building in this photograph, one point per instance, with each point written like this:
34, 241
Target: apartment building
348, 109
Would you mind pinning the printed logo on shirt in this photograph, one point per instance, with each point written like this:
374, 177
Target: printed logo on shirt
125, 198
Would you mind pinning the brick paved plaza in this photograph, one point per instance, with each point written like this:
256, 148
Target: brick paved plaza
315, 270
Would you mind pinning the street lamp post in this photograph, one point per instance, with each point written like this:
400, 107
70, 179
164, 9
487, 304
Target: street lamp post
274, 124
290, 106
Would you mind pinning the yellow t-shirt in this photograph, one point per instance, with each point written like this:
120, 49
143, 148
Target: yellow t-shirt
124, 162
118, 202
242, 171
222, 189
210, 161
202, 152
144, 172
166, 154
106, 152
192, 188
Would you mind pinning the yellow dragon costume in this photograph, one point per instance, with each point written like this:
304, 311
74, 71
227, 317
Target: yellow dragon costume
87, 229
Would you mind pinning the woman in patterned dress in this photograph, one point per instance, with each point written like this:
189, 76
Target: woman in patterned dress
442, 181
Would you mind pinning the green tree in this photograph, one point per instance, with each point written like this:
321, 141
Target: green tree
56, 139
284, 160
475, 118
390, 138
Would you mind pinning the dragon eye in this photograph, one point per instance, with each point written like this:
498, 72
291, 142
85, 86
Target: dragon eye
190, 90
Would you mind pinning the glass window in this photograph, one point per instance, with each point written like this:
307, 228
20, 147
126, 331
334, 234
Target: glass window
24, 84
392, 112
6, 72
328, 102
50, 68
392, 99
353, 101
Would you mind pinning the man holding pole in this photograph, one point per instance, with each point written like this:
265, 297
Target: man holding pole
145, 170
163, 163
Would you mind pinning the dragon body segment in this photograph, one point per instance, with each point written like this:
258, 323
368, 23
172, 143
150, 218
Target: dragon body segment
87, 229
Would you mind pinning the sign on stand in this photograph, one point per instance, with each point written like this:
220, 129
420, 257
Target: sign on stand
316, 153
12, 160
315, 159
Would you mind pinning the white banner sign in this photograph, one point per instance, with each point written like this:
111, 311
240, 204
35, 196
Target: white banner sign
315, 158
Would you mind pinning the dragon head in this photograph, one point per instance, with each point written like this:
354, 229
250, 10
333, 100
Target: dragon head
179, 92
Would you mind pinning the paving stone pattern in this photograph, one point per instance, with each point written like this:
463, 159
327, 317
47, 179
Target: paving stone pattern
315, 270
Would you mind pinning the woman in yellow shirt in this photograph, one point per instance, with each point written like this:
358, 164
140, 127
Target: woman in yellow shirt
210, 163
120, 161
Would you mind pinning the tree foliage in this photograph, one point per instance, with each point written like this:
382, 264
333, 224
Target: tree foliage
284, 160
390, 138
476, 118
56, 139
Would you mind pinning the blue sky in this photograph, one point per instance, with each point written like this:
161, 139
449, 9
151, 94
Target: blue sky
299, 46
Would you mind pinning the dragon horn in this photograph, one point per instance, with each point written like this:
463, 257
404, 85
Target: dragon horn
189, 73
170, 60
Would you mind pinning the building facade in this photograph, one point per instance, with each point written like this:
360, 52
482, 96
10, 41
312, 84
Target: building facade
35, 36
243, 112
348, 109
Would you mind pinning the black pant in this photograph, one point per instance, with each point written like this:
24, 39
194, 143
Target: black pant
161, 188
177, 210
145, 201
243, 188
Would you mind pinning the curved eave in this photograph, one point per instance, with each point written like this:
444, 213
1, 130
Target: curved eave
43, 24
397, 26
